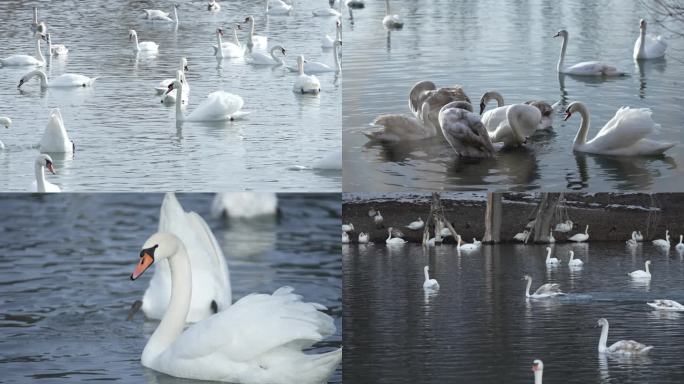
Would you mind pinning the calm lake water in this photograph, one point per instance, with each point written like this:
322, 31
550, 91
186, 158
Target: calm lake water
490, 45
66, 260
126, 140
479, 328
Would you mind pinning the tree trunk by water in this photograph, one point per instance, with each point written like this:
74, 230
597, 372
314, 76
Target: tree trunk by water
492, 219
542, 224
436, 215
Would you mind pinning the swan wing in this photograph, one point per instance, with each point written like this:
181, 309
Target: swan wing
465, 133
494, 117
629, 347
547, 289
317, 67
655, 46
593, 68
16, 60
399, 127
71, 80
218, 106
441, 97
260, 58
418, 94
628, 126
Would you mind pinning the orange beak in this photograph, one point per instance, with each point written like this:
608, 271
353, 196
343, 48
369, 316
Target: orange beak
145, 261
567, 116
51, 168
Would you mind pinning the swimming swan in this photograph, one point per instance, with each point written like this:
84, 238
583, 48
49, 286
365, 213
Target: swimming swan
144, 46
305, 83
56, 49
429, 284
648, 46
258, 58
585, 68
551, 260
574, 262
666, 305
22, 60
67, 80
580, 237
546, 290
639, 274
622, 347
228, 49
218, 106
391, 20
40, 184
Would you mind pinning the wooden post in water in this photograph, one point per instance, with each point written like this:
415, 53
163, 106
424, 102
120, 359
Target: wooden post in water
545, 212
492, 233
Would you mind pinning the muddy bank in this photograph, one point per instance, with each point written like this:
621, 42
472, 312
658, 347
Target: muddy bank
611, 217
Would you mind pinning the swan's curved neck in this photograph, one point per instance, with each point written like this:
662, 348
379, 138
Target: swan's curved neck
219, 41
235, 38
40, 178
39, 54
42, 76
604, 338
387, 7
336, 58
642, 42
538, 377
427, 275
276, 58
179, 93
135, 41
561, 59
646, 267
548, 255
494, 96
586, 230
581, 137
527, 290
173, 321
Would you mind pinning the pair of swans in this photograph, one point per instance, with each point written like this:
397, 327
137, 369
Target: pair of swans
158, 15
416, 225
258, 339
218, 106
7, 123
244, 205
305, 83
42, 162
639, 274
55, 137
229, 49
278, 7
648, 46
391, 21
623, 135
585, 68
258, 58
254, 41
393, 240
622, 347
328, 41
663, 243
363, 238
142, 46
26, 60
67, 80
580, 237
56, 49
429, 284
545, 291
318, 67
163, 86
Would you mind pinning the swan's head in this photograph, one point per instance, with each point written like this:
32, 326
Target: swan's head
219, 31
537, 366
41, 28
238, 27
546, 110
572, 254
249, 19
176, 83
131, 34
562, 33
6, 121
572, 108
426, 268
527, 277
184, 64
301, 61
548, 249
158, 247
44, 160
648, 262
338, 43
389, 230
279, 48
642, 24
487, 97
602, 322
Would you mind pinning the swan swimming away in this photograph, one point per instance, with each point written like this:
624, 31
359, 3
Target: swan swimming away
429, 284
393, 240
244, 205
585, 68
213, 6
347, 227
329, 42
25, 60
305, 83
580, 237
623, 135
55, 138
416, 225
551, 260
259, 339
666, 305
317, 67
211, 291
639, 274
622, 347
546, 290
663, 243
390, 20
228, 49
218, 106
464, 132
277, 7
170, 98
56, 49
7, 123
648, 46
538, 369
144, 46
40, 184
574, 262
67, 80
363, 238
258, 58
254, 41
345, 238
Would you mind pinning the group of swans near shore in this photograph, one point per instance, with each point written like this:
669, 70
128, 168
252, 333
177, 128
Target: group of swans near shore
260, 338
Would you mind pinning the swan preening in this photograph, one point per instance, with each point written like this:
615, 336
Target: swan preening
258, 339
639, 274
218, 106
623, 135
55, 138
622, 347
648, 46
211, 291
143, 46
585, 68
42, 162
393, 240
666, 305
546, 290
25, 60
538, 369
663, 243
429, 284
277, 7
7, 123
258, 58
66, 80
551, 260
305, 83
581, 237
391, 20
56, 49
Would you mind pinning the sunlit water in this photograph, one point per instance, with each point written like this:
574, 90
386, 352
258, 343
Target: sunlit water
508, 47
479, 328
126, 140
65, 262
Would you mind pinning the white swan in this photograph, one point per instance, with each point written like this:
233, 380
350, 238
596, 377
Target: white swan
330, 11
317, 67
305, 83
580, 237
429, 284
228, 49
258, 58
426, 92
648, 46
512, 124
55, 138
277, 7
348, 227
56, 49
522, 236
254, 41
416, 225
623, 135
585, 68
163, 85
546, 290
345, 238
391, 20
393, 240
171, 97
632, 241
679, 246
144, 46
551, 238
329, 42
157, 15
461, 246
211, 291
496, 116
639, 236
218, 106
622, 347
7, 123
574, 262
396, 128
377, 219
213, 6
67, 80
663, 243
40, 184
666, 305
476, 242
551, 260
639, 274
25, 60
363, 238
330, 162
37, 26
244, 205
565, 226
464, 132
538, 369
259, 339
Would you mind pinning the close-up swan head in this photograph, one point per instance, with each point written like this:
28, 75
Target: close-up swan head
44, 160
158, 247
177, 82
132, 33
572, 108
184, 61
562, 33
527, 277
642, 24
537, 365
602, 322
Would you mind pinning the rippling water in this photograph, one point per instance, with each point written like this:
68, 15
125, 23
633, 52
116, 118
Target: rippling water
479, 328
126, 140
65, 262
489, 45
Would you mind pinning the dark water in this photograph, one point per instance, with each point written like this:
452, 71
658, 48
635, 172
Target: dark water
479, 328
126, 140
507, 46
65, 262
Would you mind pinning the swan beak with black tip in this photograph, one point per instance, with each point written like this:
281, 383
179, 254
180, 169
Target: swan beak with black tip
170, 88
283, 51
557, 34
146, 260
239, 27
246, 19
21, 82
567, 115
482, 107
220, 31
